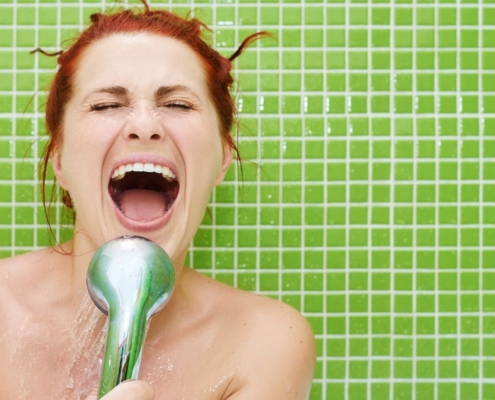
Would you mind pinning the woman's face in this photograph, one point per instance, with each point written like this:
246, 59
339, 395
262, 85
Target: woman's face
141, 146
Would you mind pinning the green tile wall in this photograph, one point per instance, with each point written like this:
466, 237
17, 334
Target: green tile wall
373, 210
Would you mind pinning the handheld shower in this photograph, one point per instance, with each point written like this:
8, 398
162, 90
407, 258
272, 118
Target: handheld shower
130, 279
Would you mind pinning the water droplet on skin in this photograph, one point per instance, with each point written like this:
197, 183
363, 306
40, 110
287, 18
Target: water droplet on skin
78, 358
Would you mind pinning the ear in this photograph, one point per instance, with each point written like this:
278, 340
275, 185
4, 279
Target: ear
227, 160
57, 168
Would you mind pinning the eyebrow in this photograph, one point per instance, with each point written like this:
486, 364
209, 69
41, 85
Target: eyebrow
115, 90
162, 91
118, 91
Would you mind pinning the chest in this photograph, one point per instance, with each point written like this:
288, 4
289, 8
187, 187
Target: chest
46, 361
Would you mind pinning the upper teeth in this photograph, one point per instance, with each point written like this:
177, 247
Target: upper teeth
120, 172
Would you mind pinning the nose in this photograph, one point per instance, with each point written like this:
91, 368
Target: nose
143, 124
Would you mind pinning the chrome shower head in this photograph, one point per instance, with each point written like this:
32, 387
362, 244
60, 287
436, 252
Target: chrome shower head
130, 279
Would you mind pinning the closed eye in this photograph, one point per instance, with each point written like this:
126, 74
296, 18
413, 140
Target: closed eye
178, 104
104, 106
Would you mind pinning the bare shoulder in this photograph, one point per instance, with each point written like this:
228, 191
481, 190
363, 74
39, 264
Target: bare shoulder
273, 344
29, 258
26, 273
278, 351
19, 264
13, 266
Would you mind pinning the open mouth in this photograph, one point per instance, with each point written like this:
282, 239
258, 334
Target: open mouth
143, 191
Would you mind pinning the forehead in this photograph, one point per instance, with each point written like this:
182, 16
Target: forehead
139, 61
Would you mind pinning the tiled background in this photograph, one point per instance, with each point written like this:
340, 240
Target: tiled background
373, 210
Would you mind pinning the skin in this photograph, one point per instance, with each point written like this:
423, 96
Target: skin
211, 342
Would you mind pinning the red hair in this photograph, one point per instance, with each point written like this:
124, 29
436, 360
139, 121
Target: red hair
160, 22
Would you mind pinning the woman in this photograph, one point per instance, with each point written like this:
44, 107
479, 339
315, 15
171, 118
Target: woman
139, 116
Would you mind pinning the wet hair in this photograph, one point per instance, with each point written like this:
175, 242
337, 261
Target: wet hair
190, 31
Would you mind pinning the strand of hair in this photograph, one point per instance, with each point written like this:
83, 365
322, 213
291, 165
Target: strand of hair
248, 41
46, 53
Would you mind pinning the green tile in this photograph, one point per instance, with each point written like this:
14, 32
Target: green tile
291, 81
313, 38
425, 82
403, 171
269, 60
467, 59
336, 82
357, 38
403, 370
358, 171
314, 126
291, 194
380, 103
359, 149
313, 81
448, 104
380, 38
335, 15
247, 61
314, 16
469, 82
447, 82
292, 15
425, 390
335, 59
469, 17
403, 104
447, 390
47, 16
403, 16
447, 60
425, 60
380, 82
7, 16
6, 81
425, 16
403, 60
380, 16
425, 38
246, 281
337, 105
6, 40
291, 37
357, 82
425, 105
447, 16
313, 59
69, 16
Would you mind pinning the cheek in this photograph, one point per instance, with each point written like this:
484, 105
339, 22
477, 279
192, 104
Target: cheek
90, 133
201, 149
199, 135
85, 144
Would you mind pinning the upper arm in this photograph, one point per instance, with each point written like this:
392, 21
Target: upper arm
278, 359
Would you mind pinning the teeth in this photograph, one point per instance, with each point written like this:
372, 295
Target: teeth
120, 172
148, 167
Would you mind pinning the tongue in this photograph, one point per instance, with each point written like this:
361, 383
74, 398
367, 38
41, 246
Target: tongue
142, 205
